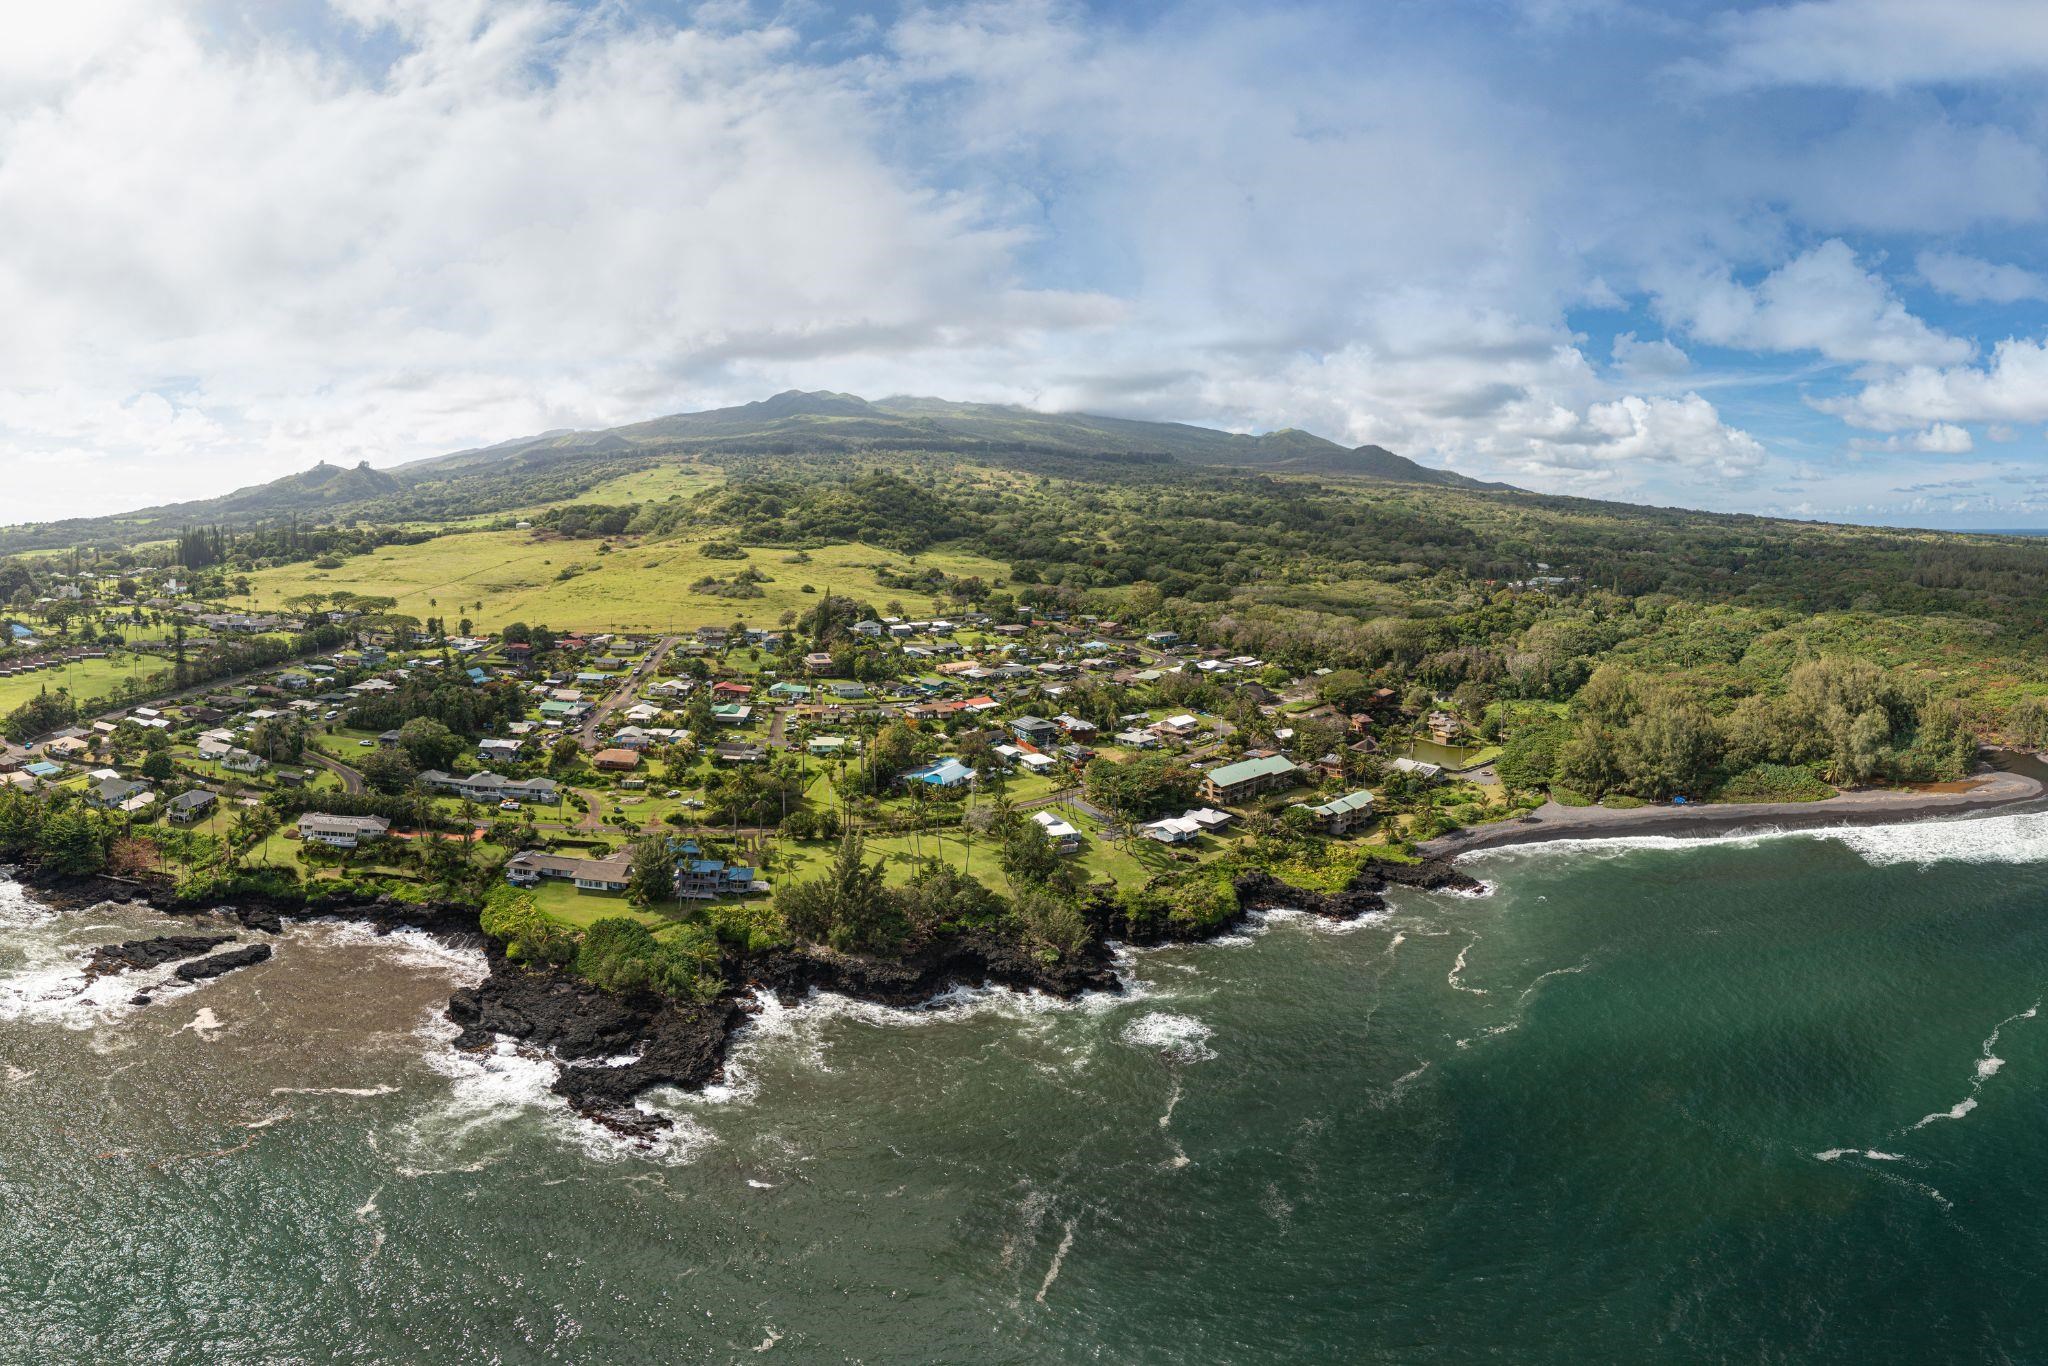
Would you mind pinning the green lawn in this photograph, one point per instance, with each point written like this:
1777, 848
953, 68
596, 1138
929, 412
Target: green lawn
638, 587
89, 678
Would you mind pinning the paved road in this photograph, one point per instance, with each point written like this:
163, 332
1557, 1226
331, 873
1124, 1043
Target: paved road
628, 688
351, 781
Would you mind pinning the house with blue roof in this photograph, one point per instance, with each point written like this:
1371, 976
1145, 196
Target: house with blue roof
707, 879
942, 773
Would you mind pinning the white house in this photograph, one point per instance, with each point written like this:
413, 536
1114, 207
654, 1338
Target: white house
1064, 837
342, 832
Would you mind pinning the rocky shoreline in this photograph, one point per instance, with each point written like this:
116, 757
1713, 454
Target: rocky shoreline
612, 1048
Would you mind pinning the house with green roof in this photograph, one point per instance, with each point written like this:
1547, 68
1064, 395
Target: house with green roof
1247, 778
1341, 815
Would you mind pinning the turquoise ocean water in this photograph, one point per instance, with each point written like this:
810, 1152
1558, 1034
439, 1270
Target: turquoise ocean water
1771, 1100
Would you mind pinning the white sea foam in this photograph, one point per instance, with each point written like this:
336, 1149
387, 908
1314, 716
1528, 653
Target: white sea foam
1531, 989
507, 1084
49, 987
1178, 1038
1834, 1154
1956, 1111
1987, 1066
1454, 976
801, 1033
1059, 1259
2018, 838
409, 947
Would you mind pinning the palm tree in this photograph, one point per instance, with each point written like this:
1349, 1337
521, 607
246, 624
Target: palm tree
241, 835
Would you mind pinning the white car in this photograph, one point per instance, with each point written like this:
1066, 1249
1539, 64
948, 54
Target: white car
508, 805
364, 744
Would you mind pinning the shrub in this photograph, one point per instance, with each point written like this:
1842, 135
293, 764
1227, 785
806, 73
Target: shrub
754, 926
622, 955
1775, 783
529, 936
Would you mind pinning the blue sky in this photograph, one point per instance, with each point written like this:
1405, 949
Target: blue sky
1782, 258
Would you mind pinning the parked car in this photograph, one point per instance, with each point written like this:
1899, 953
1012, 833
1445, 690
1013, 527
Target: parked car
364, 744
508, 805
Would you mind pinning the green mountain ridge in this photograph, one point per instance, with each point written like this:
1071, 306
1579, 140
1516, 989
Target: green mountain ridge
526, 471
845, 421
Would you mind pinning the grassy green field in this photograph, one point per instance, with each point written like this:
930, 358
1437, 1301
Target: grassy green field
642, 587
85, 679
652, 486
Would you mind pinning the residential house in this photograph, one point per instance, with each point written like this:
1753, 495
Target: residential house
1247, 778
120, 793
1061, 835
615, 760
242, 761
187, 807
1035, 729
342, 832
1341, 815
499, 751
1186, 826
944, 773
736, 752
1417, 768
490, 787
529, 868
705, 879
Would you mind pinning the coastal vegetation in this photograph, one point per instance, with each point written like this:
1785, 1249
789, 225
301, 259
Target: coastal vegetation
1457, 653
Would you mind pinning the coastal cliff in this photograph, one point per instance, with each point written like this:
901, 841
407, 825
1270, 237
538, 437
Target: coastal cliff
613, 1047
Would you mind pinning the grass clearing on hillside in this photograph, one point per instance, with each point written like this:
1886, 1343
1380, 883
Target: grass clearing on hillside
651, 486
637, 587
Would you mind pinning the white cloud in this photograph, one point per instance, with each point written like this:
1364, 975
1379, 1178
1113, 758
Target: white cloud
2012, 388
1942, 438
1977, 281
398, 227
331, 263
1823, 300
1656, 359
1881, 44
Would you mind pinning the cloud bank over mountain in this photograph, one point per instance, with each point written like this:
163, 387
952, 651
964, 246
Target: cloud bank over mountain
1784, 258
